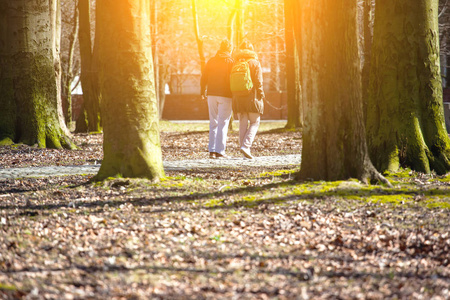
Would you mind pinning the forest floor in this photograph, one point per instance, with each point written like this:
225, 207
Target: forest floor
236, 232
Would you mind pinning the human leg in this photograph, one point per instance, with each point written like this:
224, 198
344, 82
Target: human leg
243, 126
213, 109
254, 119
223, 119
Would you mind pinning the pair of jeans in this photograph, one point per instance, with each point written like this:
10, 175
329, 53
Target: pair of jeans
248, 127
219, 118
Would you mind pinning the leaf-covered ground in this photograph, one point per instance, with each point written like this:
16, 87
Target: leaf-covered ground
244, 233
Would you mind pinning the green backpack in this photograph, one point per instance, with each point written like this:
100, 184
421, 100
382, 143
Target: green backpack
240, 79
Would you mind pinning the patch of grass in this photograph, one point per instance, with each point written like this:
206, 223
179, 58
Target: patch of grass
168, 126
397, 199
277, 173
445, 178
5, 287
180, 177
434, 203
273, 127
8, 142
213, 202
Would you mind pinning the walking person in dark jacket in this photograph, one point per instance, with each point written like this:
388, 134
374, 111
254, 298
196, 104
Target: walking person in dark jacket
215, 86
249, 107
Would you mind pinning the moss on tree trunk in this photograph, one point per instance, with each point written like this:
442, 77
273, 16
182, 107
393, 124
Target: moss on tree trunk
130, 115
334, 145
30, 99
405, 119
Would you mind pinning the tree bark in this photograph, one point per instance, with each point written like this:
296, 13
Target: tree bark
334, 145
130, 112
294, 119
89, 119
157, 61
230, 25
30, 75
368, 23
68, 78
199, 40
275, 46
239, 23
405, 121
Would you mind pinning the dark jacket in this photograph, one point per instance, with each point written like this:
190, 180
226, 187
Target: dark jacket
215, 79
254, 101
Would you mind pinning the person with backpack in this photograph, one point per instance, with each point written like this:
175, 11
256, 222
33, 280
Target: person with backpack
215, 87
246, 83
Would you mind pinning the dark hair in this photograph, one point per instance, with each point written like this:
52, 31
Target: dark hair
246, 45
225, 45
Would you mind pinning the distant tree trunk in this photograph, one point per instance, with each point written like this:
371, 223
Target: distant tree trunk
292, 80
130, 112
405, 122
89, 119
30, 74
275, 51
239, 32
68, 78
199, 40
160, 80
334, 145
163, 77
230, 25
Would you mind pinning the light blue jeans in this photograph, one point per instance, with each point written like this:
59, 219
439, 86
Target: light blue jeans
248, 127
219, 118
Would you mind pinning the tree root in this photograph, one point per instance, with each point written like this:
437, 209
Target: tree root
375, 176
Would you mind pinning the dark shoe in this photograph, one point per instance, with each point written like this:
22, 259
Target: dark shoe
246, 153
218, 155
212, 155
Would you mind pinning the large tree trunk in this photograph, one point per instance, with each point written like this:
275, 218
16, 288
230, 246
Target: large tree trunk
30, 74
367, 31
334, 145
89, 119
294, 118
405, 121
130, 113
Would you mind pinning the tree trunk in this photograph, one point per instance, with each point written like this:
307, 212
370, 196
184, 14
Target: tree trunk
405, 121
199, 40
164, 77
230, 25
157, 66
274, 84
368, 23
293, 92
334, 145
239, 23
89, 119
68, 78
30, 75
130, 112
